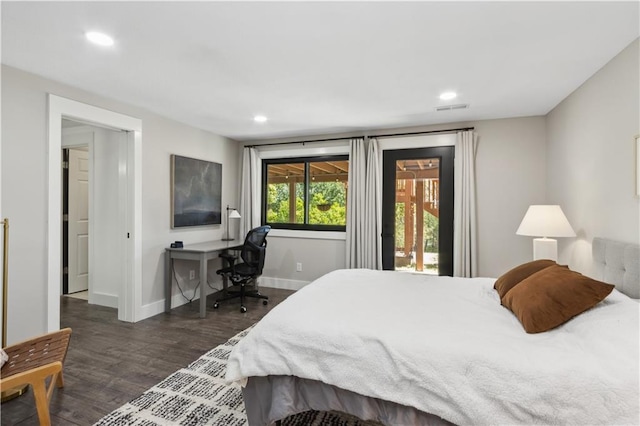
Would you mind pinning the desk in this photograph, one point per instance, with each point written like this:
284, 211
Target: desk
202, 252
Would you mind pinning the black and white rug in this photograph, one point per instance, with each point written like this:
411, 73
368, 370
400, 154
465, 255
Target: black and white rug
196, 395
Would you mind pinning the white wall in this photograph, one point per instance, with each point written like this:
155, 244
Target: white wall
105, 217
510, 171
591, 158
318, 256
169, 138
510, 176
24, 192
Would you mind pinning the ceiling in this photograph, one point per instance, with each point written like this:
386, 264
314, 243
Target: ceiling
320, 67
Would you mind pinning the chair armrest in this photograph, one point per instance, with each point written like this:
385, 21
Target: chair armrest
231, 261
228, 256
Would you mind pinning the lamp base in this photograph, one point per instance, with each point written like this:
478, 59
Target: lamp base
545, 248
10, 394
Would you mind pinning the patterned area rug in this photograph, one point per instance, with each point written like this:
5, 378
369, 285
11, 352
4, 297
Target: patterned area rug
196, 395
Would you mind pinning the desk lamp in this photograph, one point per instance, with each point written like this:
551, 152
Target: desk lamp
545, 221
232, 213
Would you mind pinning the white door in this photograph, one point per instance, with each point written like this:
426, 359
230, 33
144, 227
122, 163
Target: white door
78, 220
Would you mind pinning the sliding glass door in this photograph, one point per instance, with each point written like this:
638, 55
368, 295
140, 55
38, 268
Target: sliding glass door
417, 210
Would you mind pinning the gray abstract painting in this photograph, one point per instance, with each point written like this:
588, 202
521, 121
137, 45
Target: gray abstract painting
196, 192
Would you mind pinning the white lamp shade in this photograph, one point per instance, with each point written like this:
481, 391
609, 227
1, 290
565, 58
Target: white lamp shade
545, 221
232, 213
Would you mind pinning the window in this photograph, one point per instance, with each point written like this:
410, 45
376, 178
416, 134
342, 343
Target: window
307, 193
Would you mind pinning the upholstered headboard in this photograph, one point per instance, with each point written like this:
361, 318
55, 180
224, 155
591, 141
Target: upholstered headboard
619, 264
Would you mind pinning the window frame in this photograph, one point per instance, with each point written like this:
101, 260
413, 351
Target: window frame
306, 160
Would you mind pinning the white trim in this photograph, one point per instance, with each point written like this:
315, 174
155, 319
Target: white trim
54, 216
103, 299
70, 131
136, 145
312, 235
60, 108
129, 308
124, 200
281, 283
155, 308
417, 141
333, 148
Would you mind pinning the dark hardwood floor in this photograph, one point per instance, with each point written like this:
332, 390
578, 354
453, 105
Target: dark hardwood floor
111, 362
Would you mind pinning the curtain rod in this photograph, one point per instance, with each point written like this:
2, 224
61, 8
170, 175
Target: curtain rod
461, 129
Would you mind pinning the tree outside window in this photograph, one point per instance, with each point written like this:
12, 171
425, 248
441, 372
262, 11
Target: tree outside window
306, 193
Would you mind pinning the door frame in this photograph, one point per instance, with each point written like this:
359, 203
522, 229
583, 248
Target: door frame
130, 297
412, 143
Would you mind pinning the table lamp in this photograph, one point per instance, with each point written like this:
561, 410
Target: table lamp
232, 213
545, 221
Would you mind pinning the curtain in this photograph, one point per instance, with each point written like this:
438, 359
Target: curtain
465, 254
355, 202
249, 192
364, 206
373, 209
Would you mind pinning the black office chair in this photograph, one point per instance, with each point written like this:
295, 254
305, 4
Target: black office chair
245, 274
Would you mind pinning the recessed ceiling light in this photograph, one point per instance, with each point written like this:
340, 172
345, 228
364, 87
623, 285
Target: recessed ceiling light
447, 96
260, 119
99, 38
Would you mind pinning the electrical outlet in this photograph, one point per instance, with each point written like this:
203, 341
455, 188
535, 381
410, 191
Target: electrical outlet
299, 267
192, 274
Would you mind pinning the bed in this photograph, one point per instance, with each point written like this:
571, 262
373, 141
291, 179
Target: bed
409, 349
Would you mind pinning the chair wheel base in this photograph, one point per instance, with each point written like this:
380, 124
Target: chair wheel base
264, 302
243, 309
216, 305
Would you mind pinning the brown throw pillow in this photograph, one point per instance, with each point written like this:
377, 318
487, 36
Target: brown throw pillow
509, 279
552, 297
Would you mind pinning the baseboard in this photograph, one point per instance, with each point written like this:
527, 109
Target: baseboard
155, 308
103, 299
281, 283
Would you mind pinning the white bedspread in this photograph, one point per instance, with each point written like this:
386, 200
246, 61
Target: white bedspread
447, 347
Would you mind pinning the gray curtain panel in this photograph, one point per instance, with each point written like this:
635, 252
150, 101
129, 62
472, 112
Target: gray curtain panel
465, 236
364, 206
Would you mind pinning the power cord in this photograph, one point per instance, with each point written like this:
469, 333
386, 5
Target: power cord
173, 268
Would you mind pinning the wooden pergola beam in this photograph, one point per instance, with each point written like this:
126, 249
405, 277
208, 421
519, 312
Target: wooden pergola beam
419, 225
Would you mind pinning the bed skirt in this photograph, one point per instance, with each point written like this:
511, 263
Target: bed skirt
272, 398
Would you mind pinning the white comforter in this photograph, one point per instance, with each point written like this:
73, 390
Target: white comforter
447, 347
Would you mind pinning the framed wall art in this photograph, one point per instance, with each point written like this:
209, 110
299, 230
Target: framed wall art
196, 192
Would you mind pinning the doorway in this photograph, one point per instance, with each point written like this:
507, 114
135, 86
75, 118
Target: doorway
417, 210
93, 208
129, 191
